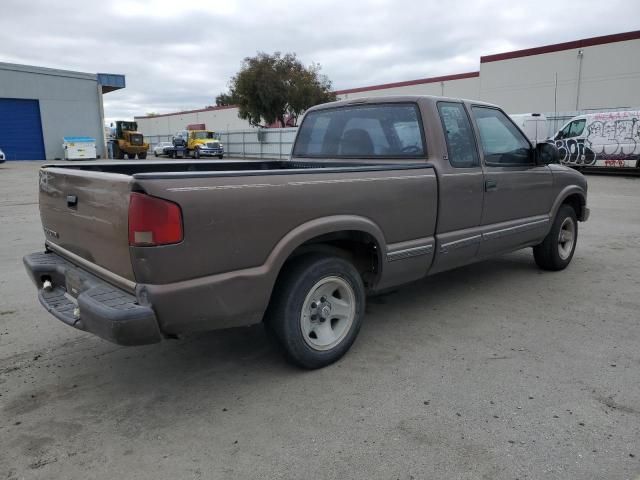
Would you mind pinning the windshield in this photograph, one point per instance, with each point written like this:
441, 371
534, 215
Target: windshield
206, 135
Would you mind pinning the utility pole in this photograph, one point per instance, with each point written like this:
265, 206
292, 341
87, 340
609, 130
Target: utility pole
580, 57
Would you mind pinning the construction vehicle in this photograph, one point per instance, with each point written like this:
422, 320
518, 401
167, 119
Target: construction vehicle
196, 141
125, 139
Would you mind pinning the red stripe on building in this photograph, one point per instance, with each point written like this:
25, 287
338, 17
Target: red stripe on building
558, 47
420, 81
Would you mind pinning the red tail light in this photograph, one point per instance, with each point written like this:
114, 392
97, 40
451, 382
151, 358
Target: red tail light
153, 221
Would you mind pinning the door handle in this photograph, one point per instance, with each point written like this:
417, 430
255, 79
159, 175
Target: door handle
490, 185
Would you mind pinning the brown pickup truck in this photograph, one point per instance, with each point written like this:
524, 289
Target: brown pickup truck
377, 192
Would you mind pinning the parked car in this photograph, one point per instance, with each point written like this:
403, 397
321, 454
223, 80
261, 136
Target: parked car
378, 192
162, 148
603, 139
2, 156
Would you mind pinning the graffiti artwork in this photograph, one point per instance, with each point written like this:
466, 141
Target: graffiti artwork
602, 139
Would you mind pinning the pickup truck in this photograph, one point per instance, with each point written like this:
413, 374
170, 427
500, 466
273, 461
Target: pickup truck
377, 192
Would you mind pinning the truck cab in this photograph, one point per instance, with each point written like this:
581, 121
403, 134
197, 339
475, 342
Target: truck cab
199, 143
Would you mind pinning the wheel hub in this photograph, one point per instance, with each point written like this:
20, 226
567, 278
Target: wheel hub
328, 313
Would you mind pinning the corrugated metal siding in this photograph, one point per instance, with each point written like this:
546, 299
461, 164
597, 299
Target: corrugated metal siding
21, 129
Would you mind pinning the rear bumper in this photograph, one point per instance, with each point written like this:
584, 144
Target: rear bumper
86, 302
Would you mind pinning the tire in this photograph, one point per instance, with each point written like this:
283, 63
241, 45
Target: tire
196, 153
142, 156
174, 154
131, 156
155, 154
302, 324
556, 250
220, 157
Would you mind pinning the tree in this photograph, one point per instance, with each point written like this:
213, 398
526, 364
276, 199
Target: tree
275, 88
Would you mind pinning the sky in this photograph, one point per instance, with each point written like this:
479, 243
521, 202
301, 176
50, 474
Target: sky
180, 55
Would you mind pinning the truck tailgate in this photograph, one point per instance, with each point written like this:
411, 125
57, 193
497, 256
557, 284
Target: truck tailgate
86, 213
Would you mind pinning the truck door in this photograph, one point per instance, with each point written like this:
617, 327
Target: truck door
518, 192
461, 190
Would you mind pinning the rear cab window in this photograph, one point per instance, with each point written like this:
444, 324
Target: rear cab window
389, 130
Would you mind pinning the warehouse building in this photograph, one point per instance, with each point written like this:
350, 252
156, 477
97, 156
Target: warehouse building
39, 106
599, 73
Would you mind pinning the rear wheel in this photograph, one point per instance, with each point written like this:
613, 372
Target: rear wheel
556, 250
131, 156
142, 155
316, 310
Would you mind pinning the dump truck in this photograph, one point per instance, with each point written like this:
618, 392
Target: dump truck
126, 139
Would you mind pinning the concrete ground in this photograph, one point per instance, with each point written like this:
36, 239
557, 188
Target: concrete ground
493, 371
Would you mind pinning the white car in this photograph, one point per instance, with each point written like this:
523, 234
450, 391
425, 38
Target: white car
159, 149
2, 157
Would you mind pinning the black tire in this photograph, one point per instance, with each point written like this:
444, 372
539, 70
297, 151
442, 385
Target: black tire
131, 156
295, 287
155, 154
196, 153
174, 154
142, 156
220, 157
554, 254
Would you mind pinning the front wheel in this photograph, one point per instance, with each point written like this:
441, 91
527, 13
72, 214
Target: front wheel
316, 310
196, 153
556, 250
142, 156
220, 157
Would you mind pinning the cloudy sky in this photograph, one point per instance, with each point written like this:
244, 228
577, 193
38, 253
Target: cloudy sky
180, 54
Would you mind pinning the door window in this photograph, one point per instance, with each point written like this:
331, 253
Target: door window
461, 143
502, 143
576, 128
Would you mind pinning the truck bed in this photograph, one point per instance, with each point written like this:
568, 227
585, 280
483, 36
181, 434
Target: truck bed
185, 168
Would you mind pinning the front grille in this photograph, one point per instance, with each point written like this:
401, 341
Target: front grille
213, 145
136, 140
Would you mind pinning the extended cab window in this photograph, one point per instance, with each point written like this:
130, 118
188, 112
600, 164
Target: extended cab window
386, 130
502, 143
461, 143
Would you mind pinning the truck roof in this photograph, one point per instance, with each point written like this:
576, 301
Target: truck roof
396, 99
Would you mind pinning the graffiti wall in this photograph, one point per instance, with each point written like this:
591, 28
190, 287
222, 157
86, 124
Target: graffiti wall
609, 140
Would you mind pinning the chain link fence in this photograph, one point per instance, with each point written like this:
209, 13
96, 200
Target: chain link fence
256, 143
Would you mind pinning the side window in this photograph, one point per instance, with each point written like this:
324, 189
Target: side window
461, 143
576, 128
502, 143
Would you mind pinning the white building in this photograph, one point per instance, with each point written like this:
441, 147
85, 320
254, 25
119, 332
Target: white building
594, 73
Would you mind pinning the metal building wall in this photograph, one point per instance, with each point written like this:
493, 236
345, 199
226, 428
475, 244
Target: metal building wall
589, 77
219, 119
69, 103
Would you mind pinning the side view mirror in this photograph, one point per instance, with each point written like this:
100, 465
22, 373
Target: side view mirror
547, 153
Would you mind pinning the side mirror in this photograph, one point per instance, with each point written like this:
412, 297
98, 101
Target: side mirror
547, 153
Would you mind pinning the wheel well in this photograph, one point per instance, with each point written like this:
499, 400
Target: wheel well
358, 247
576, 202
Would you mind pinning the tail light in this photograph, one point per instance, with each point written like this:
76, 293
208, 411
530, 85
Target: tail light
153, 221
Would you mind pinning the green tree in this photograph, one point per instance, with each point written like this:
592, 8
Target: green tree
271, 88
